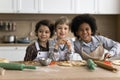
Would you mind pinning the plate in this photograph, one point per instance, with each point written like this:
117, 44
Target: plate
116, 62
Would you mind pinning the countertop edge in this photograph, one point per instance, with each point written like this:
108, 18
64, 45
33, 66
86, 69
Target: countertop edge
13, 44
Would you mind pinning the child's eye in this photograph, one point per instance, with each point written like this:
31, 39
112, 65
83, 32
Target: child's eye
40, 31
47, 32
59, 28
66, 28
87, 29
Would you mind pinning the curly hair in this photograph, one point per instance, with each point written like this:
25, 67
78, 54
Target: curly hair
47, 23
80, 19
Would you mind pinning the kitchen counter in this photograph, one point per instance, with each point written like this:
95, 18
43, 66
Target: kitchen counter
55, 72
13, 44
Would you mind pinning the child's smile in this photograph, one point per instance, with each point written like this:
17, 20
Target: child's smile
43, 33
62, 30
85, 32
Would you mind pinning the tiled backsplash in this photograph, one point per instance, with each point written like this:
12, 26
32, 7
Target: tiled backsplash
25, 23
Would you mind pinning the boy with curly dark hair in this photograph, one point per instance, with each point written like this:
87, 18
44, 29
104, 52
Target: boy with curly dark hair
88, 44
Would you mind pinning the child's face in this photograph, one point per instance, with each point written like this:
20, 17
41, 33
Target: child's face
43, 33
85, 32
62, 31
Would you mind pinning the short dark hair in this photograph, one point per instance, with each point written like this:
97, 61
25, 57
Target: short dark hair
84, 18
47, 23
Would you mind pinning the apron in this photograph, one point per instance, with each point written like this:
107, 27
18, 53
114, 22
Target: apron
40, 54
66, 56
97, 54
62, 52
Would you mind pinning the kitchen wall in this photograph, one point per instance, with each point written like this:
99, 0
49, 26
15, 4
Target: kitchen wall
118, 29
108, 25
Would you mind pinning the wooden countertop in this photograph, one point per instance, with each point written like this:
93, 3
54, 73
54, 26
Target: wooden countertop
55, 72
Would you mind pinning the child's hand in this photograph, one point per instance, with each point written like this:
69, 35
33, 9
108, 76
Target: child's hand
61, 41
107, 55
69, 45
56, 46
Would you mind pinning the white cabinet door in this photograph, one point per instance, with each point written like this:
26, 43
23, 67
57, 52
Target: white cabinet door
109, 6
56, 6
7, 6
13, 53
27, 6
85, 6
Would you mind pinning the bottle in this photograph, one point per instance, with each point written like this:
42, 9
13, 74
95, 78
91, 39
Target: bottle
5, 26
1, 25
8, 25
13, 26
15, 66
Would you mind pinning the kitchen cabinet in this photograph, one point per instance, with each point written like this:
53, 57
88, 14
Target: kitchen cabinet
7, 6
98, 6
13, 53
56, 6
108, 6
27, 6
37, 6
18, 6
80, 6
60, 6
85, 6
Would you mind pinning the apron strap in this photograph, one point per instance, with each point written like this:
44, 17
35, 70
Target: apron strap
37, 46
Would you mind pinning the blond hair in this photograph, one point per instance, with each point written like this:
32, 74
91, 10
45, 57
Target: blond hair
62, 20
